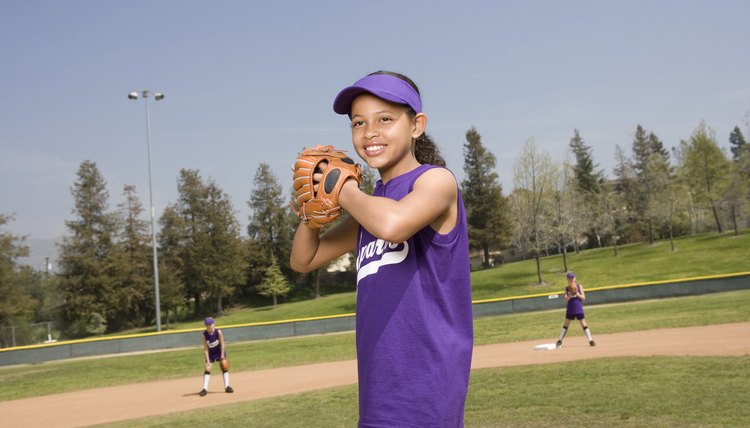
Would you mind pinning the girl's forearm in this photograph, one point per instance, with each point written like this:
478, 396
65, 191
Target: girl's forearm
304, 247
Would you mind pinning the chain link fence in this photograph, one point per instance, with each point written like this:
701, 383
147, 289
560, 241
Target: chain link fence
27, 334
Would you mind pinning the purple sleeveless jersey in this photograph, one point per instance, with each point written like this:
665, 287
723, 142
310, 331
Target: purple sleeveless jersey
575, 306
414, 322
214, 345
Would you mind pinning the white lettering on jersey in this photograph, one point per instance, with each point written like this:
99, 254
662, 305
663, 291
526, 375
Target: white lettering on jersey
390, 256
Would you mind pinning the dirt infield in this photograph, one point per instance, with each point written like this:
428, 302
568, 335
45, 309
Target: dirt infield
112, 404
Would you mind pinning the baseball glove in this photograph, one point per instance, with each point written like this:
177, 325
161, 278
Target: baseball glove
318, 208
573, 289
224, 364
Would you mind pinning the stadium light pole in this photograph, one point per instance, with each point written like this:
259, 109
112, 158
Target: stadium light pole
157, 96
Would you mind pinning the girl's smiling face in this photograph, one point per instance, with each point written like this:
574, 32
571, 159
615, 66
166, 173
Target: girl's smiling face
383, 135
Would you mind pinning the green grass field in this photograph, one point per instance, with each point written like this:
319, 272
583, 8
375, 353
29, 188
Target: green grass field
622, 392
702, 255
630, 392
65, 376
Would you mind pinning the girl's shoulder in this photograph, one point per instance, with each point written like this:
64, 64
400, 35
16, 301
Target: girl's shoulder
437, 176
437, 185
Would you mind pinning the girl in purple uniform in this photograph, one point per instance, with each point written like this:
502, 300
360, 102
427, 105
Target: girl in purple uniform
214, 350
414, 321
574, 309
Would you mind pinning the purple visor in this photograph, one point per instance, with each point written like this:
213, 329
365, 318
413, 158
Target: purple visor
571, 275
384, 86
208, 321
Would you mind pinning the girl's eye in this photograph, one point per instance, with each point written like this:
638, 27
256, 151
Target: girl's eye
385, 119
357, 123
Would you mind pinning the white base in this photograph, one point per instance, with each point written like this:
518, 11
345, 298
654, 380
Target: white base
545, 347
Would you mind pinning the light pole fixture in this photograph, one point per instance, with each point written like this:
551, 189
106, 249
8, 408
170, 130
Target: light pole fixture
157, 96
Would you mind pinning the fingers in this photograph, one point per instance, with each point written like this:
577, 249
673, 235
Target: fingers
301, 176
318, 174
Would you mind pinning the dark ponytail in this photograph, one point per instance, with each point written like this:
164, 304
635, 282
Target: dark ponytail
425, 150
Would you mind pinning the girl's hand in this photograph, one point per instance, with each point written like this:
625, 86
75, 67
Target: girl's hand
318, 175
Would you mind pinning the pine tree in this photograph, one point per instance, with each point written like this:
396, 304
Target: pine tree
641, 150
656, 147
16, 305
87, 265
738, 143
655, 180
134, 287
486, 208
270, 229
587, 179
274, 284
588, 189
190, 208
647, 149
626, 189
665, 196
203, 242
172, 241
223, 260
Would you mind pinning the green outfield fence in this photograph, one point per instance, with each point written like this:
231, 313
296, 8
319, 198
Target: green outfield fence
345, 322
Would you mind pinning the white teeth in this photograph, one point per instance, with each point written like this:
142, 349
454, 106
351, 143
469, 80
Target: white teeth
373, 148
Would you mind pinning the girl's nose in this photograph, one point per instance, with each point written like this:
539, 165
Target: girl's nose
371, 132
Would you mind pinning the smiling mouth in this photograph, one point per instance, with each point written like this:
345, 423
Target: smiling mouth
369, 149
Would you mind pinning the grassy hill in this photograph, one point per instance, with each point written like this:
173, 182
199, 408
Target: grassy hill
701, 255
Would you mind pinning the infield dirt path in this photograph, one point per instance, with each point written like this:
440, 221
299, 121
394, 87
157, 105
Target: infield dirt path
101, 405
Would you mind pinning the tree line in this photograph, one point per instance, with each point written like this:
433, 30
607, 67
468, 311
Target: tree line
207, 264
655, 193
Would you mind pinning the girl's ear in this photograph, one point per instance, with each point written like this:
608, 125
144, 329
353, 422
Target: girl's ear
420, 124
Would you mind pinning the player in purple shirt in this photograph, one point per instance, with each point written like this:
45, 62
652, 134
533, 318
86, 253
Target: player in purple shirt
574, 309
214, 349
414, 320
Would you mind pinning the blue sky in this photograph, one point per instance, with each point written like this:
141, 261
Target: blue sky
249, 82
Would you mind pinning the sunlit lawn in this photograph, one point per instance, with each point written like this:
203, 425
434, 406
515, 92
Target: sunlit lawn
64, 376
702, 255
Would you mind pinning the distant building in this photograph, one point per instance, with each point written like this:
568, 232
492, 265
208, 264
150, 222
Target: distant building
341, 264
497, 258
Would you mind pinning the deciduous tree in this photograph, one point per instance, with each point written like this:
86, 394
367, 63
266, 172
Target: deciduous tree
705, 170
533, 177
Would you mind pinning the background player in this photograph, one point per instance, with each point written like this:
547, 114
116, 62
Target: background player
214, 349
574, 296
